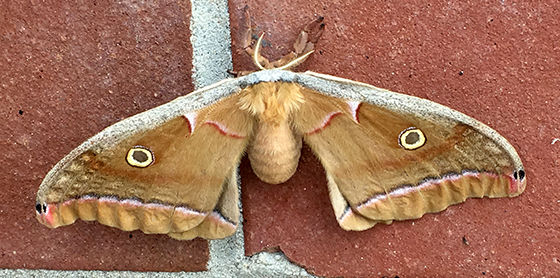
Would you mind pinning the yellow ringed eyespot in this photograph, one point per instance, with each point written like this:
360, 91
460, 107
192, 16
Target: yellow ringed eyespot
412, 138
140, 156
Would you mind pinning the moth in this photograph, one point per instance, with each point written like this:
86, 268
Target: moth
173, 169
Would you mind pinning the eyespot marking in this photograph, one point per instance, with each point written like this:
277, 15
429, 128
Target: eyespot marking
140, 156
412, 138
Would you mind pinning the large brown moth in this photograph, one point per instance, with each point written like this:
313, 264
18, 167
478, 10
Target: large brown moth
173, 169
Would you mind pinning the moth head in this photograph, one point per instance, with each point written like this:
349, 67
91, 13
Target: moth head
412, 138
140, 156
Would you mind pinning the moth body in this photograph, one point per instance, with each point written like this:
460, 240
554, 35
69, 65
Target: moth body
275, 147
274, 152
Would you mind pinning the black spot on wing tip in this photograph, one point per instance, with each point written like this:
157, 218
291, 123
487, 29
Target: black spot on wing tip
40, 208
519, 175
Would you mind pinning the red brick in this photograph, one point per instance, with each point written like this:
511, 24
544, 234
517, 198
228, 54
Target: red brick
67, 70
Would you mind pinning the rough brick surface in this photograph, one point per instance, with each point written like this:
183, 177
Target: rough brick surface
67, 70
496, 61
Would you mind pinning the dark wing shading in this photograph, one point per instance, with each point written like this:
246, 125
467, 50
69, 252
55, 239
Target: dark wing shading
178, 177
384, 165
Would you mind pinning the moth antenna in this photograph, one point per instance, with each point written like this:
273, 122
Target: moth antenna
296, 61
256, 53
287, 66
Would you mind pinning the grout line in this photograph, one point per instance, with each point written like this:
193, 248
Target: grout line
211, 44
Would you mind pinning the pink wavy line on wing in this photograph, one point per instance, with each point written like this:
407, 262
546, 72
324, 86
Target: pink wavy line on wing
217, 217
347, 213
48, 216
223, 129
427, 184
326, 121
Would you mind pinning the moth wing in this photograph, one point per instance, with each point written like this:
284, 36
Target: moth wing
390, 156
221, 222
189, 188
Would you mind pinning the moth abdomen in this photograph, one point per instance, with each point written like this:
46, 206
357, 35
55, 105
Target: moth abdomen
274, 152
275, 148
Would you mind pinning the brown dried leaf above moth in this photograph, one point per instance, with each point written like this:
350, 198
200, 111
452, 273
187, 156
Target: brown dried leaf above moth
173, 169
